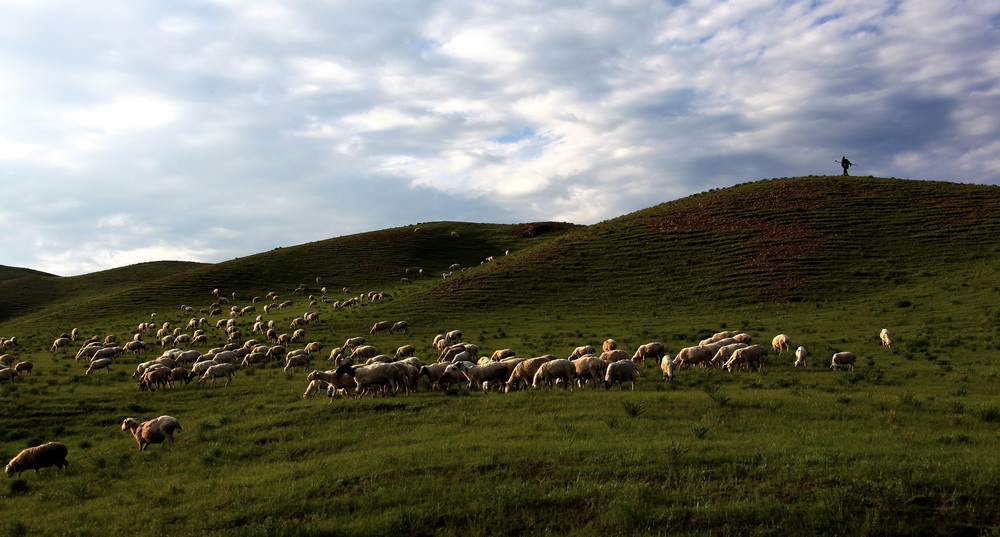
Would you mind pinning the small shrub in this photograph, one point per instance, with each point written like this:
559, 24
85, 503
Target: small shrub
987, 413
633, 409
700, 431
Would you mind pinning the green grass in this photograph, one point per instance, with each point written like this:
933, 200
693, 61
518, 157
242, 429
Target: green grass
901, 446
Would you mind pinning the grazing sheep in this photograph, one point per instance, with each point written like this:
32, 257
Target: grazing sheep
399, 326
743, 338
153, 431
218, 371
800, 356
886, 337
24, 368
621, 372
8, 373
155, 378
781, 343
440, 375
667, 366
553, 370
408, 375
404, 351
369, 377
342, 382
652, 351
581, 351
180, 374
405, 281
381, 326
482, 375
199, 368
6, 360
724, 353
354, 342
525, 372
588, 368
60, 343
365, 351
453, 335
500, 354
842, 359
615, 355
35, 458
295, 361
254, 358
313, 347
609, 345
699, 354
753, 354
101, 363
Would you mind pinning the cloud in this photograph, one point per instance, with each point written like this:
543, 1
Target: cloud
209, 131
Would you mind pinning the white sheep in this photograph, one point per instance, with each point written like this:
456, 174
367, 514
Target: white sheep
724, 353
667, 367
615, 355
60, 343
369, 377
218, 371
553, 370
342, 382
842, 359
581, 351
651, 351
381, 326
590, 367
621, 372
609, 345
24, 368
439, 375
800, 356
399, 326
295, 361
404, 351
500, 354
699, 354
8, 373
482, 375
153, 431
754, 354
35, 458
199, 368
101, 363
886, 337
781, 343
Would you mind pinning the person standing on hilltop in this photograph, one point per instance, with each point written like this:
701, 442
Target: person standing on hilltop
845, 164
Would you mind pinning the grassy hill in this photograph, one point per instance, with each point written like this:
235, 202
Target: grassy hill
901, 446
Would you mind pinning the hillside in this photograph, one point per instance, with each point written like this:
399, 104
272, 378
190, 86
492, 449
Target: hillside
773, 241
13, 273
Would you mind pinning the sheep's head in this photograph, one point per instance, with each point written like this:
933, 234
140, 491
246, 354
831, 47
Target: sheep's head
129, 423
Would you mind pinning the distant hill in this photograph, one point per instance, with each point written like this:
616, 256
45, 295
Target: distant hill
13, 273
773, 241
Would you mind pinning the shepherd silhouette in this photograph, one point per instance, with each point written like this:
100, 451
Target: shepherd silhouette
845, 164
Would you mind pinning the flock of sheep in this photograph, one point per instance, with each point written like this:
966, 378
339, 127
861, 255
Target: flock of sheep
360, 369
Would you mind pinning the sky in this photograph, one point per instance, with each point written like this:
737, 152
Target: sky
214, 129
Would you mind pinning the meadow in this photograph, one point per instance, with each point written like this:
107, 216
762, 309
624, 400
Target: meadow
903, 445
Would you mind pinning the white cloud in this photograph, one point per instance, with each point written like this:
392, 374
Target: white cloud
192, 117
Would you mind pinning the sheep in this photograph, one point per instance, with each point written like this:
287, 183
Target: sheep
313, 347
339, 381
800, 356
365, 351
722, 356
525, 372
614, 355
181, 374
743, 338
60, 343
24, 368
217, 371
699, 354
886, 337
667, 366
651, 351
500, 354
400, 326
609, 345
101, 363
405, 281
746, 356
35, 458
153, 431
381, 326
155, 377
452, 353
440, 375
552, 370
382, 358
482, 375
581, 351
254, 358
370, 376
781, 343
136, 347
294, 361
621, 372
199, 368
275, 352
298, 335
6, 360
8, 373
453, 335
408, 374
590, 367
315, 386
404, 351
354, 342
841, 359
